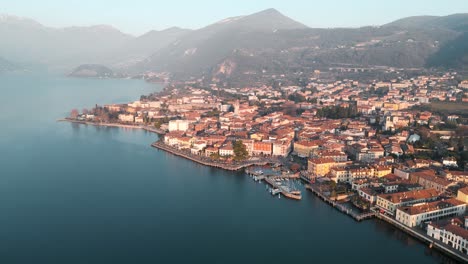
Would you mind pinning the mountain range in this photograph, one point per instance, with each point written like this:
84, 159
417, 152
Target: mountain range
267, 41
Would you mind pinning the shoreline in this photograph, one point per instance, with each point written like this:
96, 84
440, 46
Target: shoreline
235, 167
146, 128
197, 159
169, 149
422, 237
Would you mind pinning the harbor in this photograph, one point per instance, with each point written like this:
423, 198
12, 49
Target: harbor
281, 183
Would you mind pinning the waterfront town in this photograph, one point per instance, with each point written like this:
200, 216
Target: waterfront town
395, 149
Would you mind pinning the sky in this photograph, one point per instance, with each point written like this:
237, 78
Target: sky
139, 16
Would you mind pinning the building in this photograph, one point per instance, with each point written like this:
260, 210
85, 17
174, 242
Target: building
434, 182
382, 170
211, 151
338, 174
126, 118
389, 202
178, 125
453, 233
281, 148
416, 215
226, 150
450, 162
303, 148
262, 148
320, 166
462, 195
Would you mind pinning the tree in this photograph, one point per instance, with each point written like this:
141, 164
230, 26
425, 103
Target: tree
240, 151
295, 167
74, 113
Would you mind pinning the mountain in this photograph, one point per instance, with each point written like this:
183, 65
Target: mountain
139, 48
271, 42
29, 42
457, 22
264, 42
92, 71
453, 53
200, 49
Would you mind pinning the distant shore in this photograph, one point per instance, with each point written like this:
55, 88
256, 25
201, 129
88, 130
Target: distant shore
147, 128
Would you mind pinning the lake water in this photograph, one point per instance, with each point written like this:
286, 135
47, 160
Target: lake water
82, 194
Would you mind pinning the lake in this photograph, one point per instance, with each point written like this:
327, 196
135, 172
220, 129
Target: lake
82, 194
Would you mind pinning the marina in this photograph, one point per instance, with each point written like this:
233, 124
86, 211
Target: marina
280, 184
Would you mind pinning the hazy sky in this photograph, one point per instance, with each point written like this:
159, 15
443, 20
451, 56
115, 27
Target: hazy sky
139, 16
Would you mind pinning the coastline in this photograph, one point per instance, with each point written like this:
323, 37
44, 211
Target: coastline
146, 128
198, 159
374, 213
424, 238
174, 151
235, 167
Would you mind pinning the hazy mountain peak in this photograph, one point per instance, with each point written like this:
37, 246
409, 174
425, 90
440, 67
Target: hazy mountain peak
272, 19
11, 19
269, 11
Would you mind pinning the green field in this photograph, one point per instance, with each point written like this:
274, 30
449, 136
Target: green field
458, 108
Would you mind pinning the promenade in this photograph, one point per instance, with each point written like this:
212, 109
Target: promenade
423, 237
208, 162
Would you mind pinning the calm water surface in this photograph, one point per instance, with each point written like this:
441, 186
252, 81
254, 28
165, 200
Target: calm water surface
83, 194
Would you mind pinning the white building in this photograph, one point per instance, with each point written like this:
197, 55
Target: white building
126, 118
178, 125
390, 202
415, 215
282, 148
450, 162
451, 233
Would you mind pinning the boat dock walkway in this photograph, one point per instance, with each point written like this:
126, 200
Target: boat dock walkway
356, 216
284, 190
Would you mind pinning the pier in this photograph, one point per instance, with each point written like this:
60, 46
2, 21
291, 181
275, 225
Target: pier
356, 216
284, 190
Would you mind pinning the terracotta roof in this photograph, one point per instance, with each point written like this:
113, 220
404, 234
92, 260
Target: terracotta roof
322, 160
430, 207
410, 195
464, 190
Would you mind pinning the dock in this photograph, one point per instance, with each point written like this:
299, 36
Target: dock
356, 216
284, 190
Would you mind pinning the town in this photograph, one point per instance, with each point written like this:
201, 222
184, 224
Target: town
394, 148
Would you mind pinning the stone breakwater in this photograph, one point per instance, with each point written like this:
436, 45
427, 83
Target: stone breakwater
205, 161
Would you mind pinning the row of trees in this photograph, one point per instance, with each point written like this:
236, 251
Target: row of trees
337, 112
